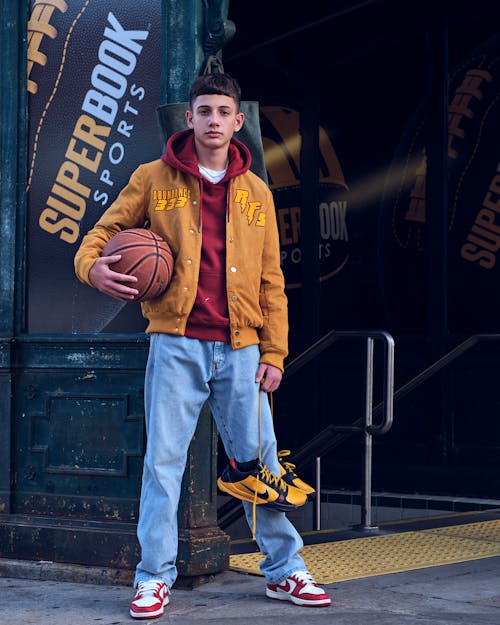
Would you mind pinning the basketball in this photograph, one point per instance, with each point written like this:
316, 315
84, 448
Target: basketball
144, 255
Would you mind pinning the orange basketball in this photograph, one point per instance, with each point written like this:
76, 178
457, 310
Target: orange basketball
144, 255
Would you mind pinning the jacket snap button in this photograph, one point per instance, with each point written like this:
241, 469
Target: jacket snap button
233, 269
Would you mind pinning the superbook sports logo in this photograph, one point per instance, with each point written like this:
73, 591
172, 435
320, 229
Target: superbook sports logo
281, 140
102, 103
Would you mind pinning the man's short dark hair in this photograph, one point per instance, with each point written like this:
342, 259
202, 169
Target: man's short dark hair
215, 84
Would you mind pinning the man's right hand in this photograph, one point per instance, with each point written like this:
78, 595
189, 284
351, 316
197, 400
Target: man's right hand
108, 281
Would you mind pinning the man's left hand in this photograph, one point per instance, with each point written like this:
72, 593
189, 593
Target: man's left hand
269, 377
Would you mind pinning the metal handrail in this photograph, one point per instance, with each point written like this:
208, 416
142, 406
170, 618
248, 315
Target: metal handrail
317, 348
333, 435
330, 436
367, 428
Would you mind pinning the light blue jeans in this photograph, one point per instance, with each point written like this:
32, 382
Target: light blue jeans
181, 374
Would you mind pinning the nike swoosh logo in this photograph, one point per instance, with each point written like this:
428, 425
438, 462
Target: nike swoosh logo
264, 495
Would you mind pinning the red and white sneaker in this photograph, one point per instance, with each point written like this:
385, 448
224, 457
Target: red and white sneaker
150, 599
301, 589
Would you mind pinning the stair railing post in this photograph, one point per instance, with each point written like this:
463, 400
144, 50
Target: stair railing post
318, 493
366, 488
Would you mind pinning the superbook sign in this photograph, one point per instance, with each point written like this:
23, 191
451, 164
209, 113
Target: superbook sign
94, 85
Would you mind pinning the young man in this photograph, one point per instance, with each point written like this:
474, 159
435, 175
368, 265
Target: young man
219, 334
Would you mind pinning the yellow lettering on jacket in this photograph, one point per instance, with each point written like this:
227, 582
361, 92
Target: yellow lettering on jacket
251, 209
168, 199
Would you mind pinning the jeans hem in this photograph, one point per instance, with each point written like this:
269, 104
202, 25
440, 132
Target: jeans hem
148, 578
285, 575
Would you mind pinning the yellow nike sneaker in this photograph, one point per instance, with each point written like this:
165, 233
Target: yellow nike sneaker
252, 481
288, 475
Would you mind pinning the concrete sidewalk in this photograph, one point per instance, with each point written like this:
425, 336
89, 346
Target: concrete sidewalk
459, 594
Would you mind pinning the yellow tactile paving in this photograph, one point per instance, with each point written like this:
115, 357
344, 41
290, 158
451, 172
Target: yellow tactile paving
391, 553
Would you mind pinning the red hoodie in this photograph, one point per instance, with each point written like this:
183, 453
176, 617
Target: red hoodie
209, 319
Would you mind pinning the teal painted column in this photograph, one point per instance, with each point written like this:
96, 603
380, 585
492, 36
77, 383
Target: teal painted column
182, 48
12, 133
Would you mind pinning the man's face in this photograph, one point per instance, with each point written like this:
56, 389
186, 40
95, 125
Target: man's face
214, 119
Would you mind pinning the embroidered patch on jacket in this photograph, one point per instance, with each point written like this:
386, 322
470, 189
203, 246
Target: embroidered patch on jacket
168, 199
253, 210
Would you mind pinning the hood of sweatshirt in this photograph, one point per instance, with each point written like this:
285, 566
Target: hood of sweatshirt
180, 153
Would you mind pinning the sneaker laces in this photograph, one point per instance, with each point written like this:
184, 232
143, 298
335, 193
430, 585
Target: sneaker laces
270, 478
305, 577
147, 588
289, 466
264, 473
254, 504
267, 477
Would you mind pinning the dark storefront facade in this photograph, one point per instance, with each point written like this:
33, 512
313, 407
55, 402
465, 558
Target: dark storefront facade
379, 124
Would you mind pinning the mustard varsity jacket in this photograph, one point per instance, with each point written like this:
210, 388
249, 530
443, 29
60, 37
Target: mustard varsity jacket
168, 201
